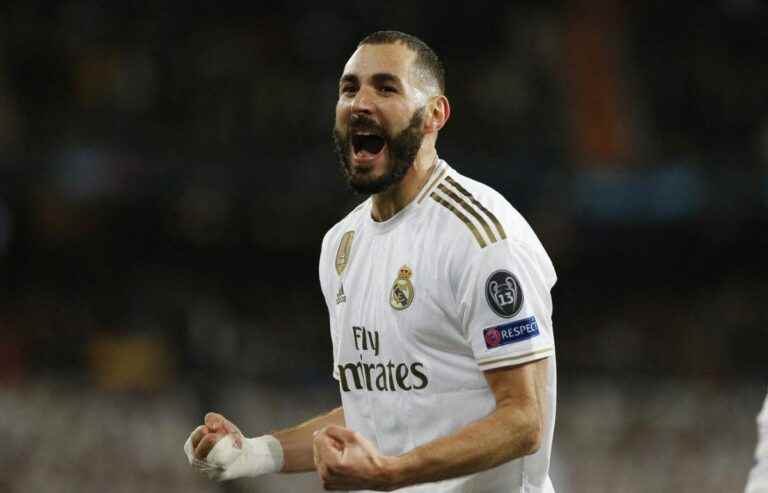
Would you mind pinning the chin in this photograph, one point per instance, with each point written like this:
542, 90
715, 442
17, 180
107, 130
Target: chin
369, 183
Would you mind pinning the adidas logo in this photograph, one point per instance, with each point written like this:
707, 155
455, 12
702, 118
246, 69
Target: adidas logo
340, 296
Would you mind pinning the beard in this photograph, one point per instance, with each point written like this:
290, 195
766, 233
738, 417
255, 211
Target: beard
401, 152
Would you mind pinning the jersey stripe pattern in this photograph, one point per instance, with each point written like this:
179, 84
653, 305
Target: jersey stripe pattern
451, 197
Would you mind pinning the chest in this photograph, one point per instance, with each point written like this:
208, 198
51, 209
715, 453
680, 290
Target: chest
393, 295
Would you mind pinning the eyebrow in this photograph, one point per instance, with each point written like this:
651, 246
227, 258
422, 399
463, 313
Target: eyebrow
350, 78
382, 78
379, 78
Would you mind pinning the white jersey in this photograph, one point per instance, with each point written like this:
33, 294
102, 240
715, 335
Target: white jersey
758, 477
420, 305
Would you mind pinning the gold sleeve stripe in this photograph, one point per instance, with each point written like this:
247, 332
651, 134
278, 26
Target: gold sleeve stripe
469, 209
488, 213
429, 188
461, 216
488, 361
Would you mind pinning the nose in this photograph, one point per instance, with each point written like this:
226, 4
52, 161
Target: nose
363, 102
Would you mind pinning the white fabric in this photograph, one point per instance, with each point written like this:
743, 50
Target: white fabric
257, 456
758, 477
408, 376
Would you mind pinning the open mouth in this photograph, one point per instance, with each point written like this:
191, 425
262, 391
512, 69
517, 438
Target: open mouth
367, 145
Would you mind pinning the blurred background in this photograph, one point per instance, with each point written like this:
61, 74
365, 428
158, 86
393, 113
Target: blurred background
167, 175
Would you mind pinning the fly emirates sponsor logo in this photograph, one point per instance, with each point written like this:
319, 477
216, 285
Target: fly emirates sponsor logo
390, 376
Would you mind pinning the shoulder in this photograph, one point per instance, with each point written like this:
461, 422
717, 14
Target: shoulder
334, 250
350, 222
476, 213
473, 224
480, 233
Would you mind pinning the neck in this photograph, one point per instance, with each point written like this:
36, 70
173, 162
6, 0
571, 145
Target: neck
391, 201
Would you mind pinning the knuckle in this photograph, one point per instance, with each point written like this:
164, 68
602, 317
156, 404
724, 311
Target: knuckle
335, 469
213, 419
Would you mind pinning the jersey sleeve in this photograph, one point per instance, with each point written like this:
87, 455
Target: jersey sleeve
503, 292
326, 285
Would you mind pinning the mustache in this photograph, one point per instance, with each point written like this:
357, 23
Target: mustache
362, 123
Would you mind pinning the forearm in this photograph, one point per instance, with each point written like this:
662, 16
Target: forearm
505, 434
297, 442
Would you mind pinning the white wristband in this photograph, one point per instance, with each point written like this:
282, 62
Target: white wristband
260, 455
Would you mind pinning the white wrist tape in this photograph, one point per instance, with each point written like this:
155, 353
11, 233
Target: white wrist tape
260, 455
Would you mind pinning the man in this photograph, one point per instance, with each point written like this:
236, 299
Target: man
758, 477
439, 305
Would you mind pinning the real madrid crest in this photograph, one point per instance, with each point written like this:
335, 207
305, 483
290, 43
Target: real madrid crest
401, 295
342, 254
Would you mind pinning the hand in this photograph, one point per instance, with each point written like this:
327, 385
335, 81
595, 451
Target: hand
205, 437
220, 451
345, 460
216, 427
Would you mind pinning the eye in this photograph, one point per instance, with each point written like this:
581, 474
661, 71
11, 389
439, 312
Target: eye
348, 89
388, 89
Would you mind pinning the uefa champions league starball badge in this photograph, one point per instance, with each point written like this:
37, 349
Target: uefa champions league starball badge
401, 295
504, 294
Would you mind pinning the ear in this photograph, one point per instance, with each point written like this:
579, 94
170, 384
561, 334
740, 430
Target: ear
438, 112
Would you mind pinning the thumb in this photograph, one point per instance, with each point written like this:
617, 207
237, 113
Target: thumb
214, 422
217, 423
341, 434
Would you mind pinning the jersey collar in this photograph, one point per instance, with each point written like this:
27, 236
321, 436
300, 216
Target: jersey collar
441, 168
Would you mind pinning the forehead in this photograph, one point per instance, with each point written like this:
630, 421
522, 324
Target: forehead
367, 60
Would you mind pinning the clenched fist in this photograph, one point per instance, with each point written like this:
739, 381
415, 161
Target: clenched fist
219, 450
345, 460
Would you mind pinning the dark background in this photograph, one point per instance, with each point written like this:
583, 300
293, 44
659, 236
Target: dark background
167, 175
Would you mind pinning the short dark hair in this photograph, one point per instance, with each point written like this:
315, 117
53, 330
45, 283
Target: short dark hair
425, 56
